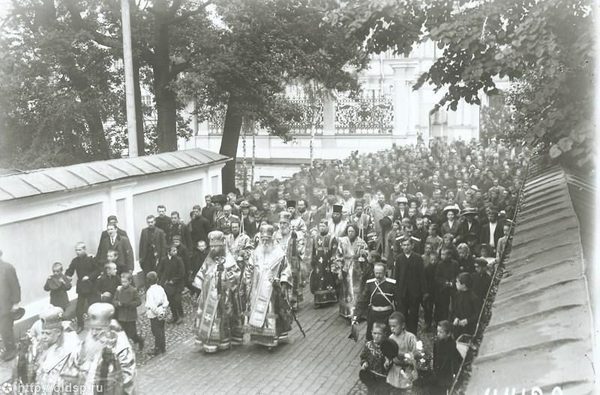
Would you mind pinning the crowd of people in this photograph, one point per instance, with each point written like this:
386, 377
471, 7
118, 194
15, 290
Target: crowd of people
392, 236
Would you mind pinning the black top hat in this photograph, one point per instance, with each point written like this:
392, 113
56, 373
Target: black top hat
337, 208
290, 203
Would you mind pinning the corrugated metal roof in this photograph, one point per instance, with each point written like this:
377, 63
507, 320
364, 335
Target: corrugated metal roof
56, 179
540, 333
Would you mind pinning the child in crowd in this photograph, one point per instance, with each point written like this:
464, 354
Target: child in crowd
446, 359
433, 238
372, 362
58, 284
126, 301
403, 368
481, 278
466, 306
156, 310
108, 281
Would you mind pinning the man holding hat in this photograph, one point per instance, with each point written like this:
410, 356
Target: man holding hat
216, 279
269, 316
59, 349
105, 357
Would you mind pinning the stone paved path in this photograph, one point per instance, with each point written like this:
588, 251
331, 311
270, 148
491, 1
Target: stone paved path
325, 362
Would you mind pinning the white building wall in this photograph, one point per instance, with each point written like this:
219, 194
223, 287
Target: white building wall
40, 230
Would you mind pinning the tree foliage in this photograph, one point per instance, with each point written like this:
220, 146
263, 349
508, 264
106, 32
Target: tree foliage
262, 46
545, 48
57, 90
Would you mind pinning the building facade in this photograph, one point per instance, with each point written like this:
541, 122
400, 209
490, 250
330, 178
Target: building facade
388, 112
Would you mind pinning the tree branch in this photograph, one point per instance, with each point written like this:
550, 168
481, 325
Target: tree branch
79, 23
188, 14
178, 68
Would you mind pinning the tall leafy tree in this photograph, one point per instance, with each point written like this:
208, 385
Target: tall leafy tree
544, 47
261, 46
57, 90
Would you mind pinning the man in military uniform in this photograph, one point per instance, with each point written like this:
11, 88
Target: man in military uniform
378, 299
105, 359
217, 318
224, 221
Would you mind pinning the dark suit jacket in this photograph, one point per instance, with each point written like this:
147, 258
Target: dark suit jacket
200, 227
10, 290
84, 266
171, 274
150, 242
410, 276
123, 247
208, 212
164, 223
485, 232
447, 229
463, 230
104, 235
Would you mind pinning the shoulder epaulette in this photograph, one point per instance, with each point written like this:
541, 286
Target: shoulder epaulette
371, 280
391, 280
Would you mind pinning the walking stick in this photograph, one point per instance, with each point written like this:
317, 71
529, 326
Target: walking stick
295, 318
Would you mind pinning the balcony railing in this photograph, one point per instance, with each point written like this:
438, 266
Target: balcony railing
364, 116
352, 116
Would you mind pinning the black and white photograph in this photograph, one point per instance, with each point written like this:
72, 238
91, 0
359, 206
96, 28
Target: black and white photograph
299, 197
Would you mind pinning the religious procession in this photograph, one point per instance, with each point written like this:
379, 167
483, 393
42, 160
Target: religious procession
405, 240
298, 197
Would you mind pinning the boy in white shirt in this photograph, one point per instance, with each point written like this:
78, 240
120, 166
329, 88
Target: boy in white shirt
156, 310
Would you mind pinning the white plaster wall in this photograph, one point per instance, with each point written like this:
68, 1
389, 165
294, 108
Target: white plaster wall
39, 230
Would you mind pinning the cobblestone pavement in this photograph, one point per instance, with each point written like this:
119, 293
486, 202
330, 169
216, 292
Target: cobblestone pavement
325, 362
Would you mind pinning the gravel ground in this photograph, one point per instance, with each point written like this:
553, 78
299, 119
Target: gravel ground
174, 333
